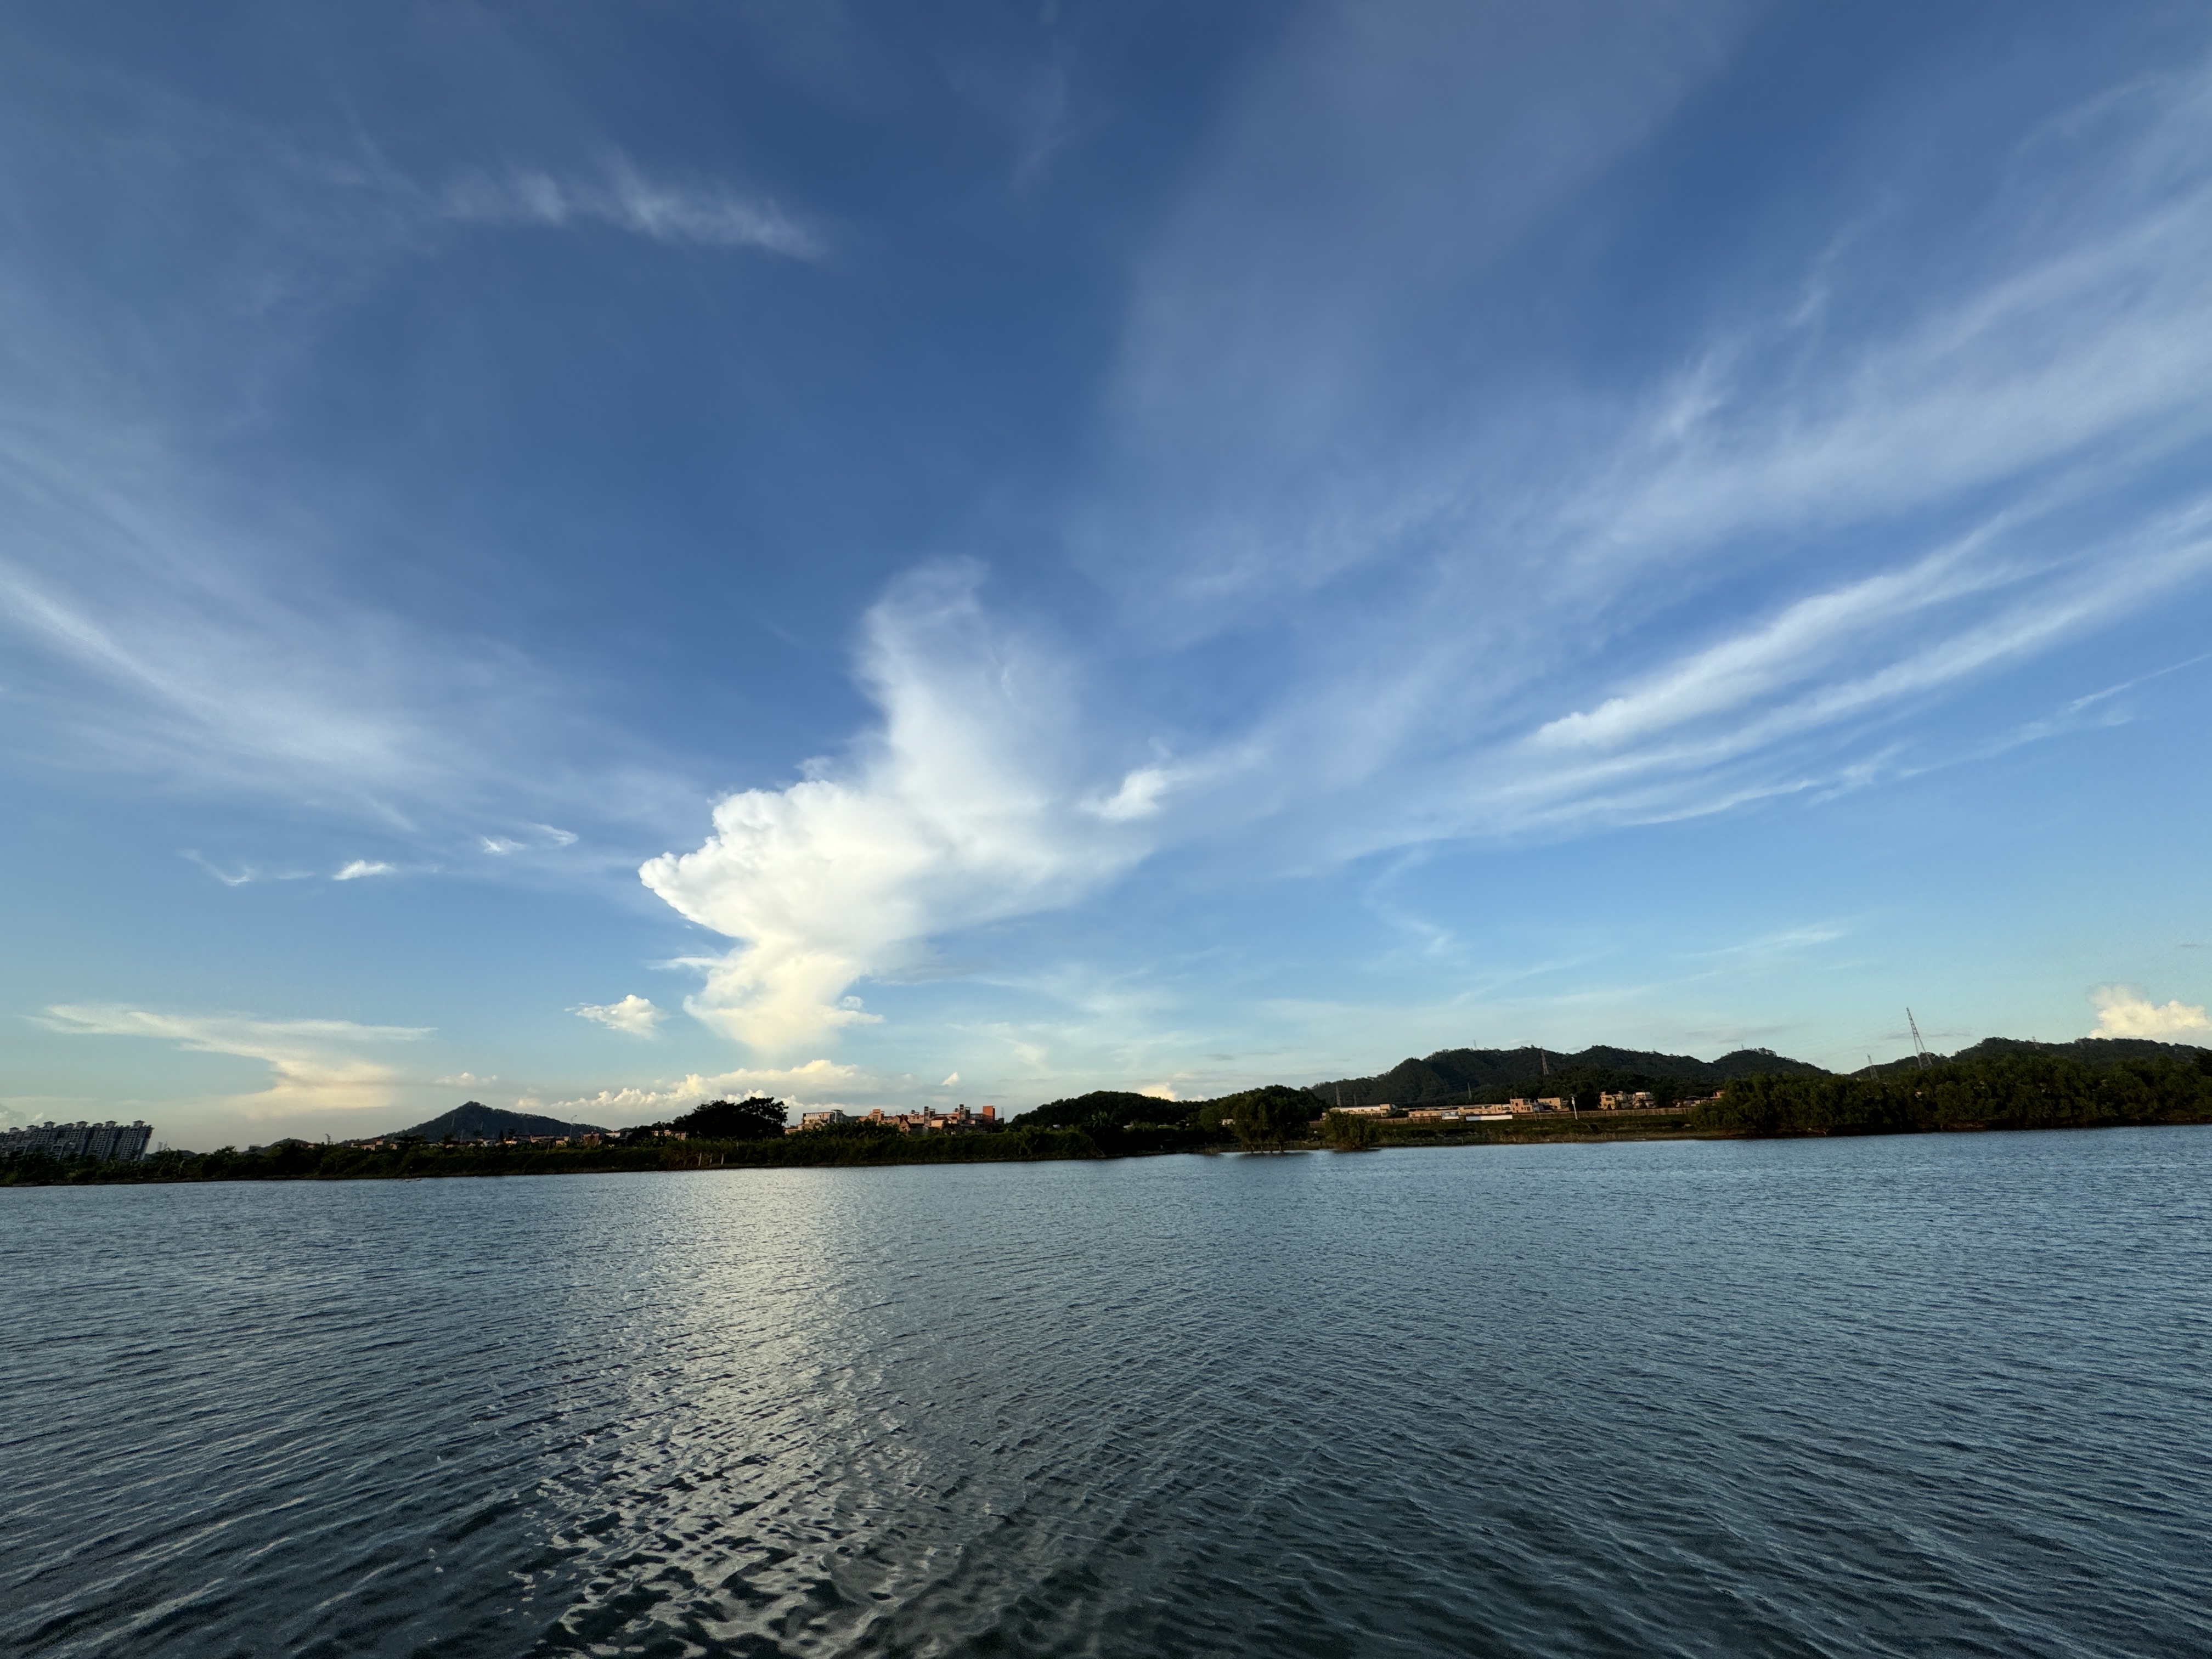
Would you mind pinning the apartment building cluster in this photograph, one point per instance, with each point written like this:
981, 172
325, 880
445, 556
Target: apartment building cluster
105, 1140
907, 1123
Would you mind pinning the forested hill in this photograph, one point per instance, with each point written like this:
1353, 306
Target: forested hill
1500, 1073
474, 1120
2098, 1054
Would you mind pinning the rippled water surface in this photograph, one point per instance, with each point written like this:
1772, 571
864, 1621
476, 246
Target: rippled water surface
1920, 1395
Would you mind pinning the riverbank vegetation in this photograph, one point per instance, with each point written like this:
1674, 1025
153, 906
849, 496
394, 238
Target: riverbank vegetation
841, 1146
1268, 1119
1995, 1085
2015, 1087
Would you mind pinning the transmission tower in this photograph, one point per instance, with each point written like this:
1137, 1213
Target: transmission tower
1919, 1048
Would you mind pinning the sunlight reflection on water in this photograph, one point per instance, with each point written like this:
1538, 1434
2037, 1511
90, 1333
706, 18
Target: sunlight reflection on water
1916, 1396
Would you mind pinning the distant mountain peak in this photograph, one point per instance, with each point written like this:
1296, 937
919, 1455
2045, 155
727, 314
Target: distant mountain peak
474, 1120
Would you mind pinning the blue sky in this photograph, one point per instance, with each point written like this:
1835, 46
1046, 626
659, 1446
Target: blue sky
593, 557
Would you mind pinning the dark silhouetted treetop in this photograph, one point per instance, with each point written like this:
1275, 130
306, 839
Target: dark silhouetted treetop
1268, 1120
1114, 1108
752, 1119
2024, 1086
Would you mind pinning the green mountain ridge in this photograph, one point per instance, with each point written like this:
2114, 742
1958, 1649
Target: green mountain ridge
2099, 1054
1490, 1075
1494, 1074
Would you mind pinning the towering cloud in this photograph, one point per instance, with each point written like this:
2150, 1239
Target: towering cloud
968, 804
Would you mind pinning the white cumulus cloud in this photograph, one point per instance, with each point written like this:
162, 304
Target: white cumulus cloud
960, 811
634, 1014
2124, 1010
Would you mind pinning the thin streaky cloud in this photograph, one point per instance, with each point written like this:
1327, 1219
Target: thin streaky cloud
316, 1065
625, 199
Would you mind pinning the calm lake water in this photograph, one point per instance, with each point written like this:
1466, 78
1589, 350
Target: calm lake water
1935, 1395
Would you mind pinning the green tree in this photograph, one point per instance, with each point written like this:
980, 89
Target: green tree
756, 1119
1268, 1119
1347, 1134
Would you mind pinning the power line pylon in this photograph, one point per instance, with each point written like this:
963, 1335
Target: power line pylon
1919, 1048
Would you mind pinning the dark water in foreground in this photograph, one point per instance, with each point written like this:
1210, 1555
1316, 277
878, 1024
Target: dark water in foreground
1922, 1395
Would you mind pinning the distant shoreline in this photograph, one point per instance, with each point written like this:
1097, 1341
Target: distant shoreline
2015, 1089
480, 1162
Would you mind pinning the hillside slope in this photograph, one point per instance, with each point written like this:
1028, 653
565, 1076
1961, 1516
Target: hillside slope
1464, 1073
474, 1120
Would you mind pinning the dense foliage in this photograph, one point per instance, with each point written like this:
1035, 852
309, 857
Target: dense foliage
755, 1118
1112, 1107
2018, 1087
1268, 1120
1120, 1122
1346, 1133
1489, 1076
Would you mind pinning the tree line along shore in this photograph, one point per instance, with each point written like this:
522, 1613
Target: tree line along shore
1999, 1085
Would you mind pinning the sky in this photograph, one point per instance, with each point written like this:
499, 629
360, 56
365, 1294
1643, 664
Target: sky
592, 558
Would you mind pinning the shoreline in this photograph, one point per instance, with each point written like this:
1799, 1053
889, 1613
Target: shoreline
487, 1163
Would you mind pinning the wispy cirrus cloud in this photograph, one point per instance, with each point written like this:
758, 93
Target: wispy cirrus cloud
170, 647
1795, 451
621, 196
186, 622
1731, 576
318, 1065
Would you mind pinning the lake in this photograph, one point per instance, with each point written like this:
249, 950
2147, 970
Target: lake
1918, 1396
